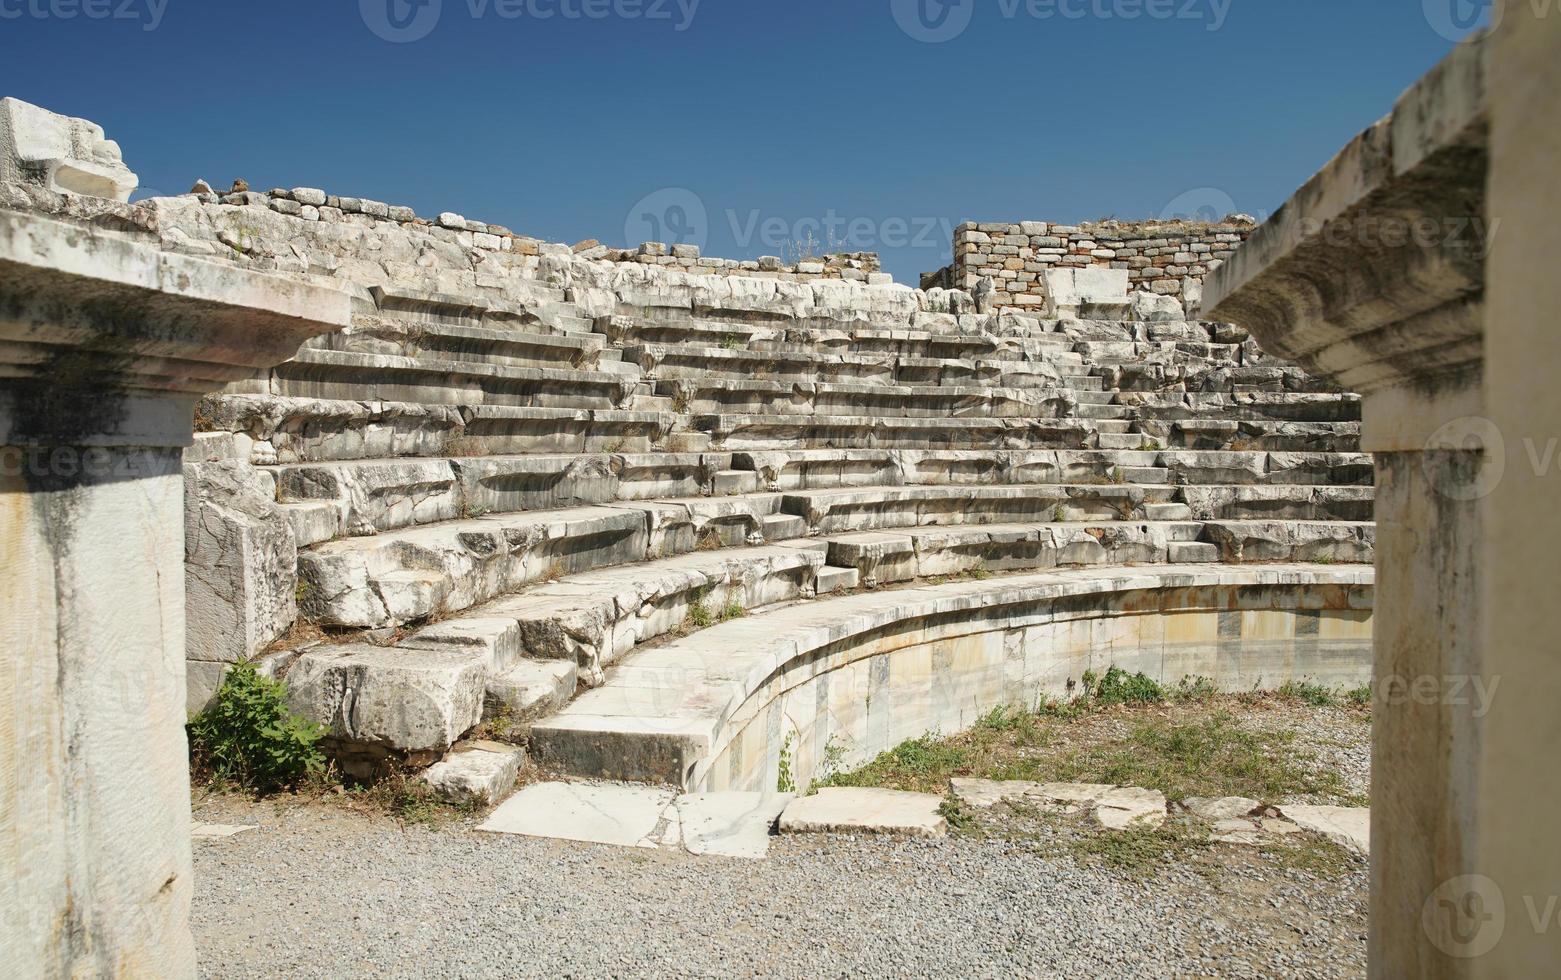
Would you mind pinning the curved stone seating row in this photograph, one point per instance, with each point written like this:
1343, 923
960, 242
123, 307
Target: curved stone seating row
870, 508
271, 429
410, 574
828, 337
837, 682
763, 432
486, 344
672, 362
356, 498
888, 557
1175, 406
331, 374
713, 397
523, 653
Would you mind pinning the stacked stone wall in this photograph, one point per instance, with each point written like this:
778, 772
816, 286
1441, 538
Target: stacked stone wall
1169, 258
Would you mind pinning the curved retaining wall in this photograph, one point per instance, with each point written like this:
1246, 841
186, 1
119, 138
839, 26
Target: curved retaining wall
855, 676
940, 665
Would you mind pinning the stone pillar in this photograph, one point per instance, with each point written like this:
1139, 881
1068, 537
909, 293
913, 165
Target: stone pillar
1374, 276
106, 343
1518, 846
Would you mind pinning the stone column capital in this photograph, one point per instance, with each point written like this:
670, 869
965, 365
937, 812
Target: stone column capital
107, 340
1373, 274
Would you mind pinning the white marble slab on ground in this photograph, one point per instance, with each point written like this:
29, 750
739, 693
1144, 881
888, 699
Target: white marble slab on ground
735, 825
217, 831
1350, 827
592, 813
866, 811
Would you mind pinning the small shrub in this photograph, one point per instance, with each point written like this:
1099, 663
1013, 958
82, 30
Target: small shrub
951, 811
734, 609
730, 341
1120, 687
249, 735
1360, 697
700, 615
786, 782
1308, 693
1196, 689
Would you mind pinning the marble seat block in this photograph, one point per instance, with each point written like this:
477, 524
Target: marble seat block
404, 576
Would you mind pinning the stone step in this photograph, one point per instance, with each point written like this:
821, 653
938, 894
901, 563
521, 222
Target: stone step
1168, 512
711, 364
1279, 502
840, 511
408, 575
779, 432
1168, 407
619, 367
434, 341
1192, 553
783, 527
728, 482
1084, 382
1251, 435
1135, 475
888, 557
1345, 542
839, 399
328, 500
522, 310
828, 469
1195, 467
1087, 410
433, 381
832, 579
532, 689
589, 621
322, 430
1121, 440
267, 430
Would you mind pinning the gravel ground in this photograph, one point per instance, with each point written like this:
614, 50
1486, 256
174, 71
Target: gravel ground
319, 891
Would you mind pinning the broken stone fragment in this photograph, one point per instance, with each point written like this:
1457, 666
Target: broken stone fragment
477, 772
1217, 809
1130, 808
410, 701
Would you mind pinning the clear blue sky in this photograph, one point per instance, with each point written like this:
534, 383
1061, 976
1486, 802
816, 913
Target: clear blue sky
764, 113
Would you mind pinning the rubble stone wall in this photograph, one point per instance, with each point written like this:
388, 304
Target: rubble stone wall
1169, 258
315, 205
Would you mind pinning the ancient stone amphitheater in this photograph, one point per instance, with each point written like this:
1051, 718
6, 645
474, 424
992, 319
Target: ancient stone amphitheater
688, 520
